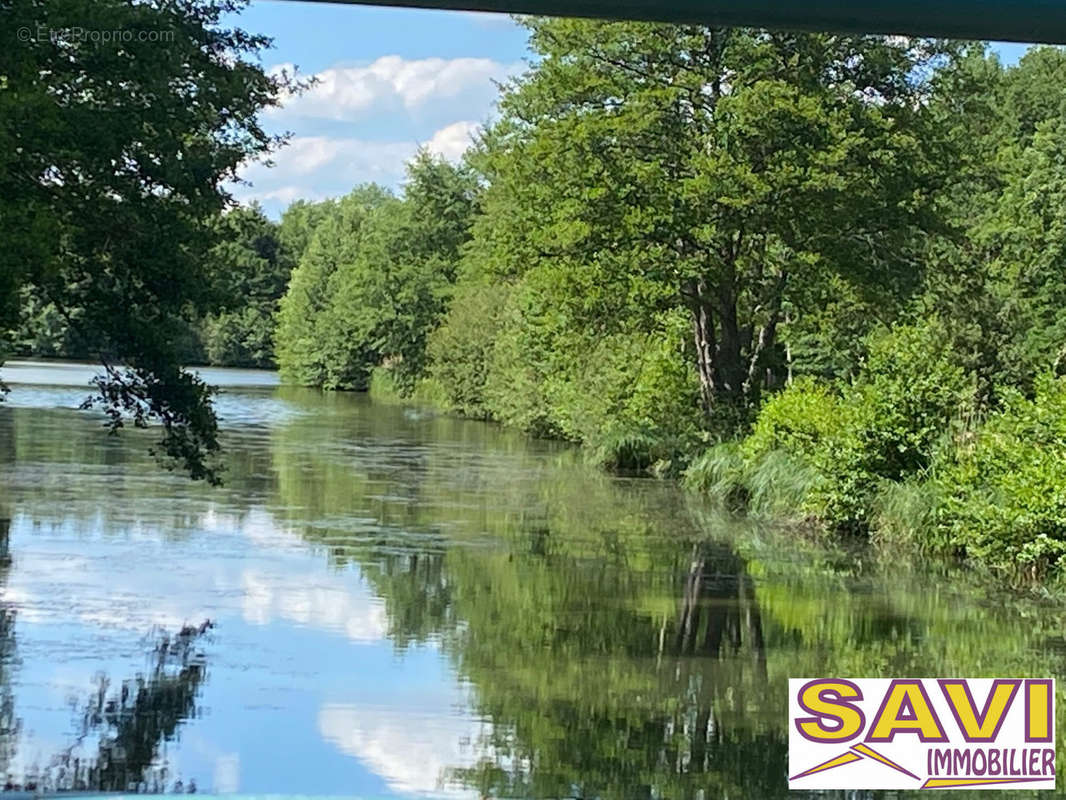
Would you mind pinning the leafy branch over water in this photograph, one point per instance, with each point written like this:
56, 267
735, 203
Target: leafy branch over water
114, 157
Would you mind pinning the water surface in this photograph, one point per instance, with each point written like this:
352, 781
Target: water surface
406, 605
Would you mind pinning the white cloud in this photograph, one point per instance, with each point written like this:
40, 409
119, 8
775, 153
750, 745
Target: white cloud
342, 159
317, 167
453, 140
326, 604
391, 84
285, 195
111, 592
413, 751
363, 123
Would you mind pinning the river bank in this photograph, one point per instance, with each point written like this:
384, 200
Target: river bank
897, 467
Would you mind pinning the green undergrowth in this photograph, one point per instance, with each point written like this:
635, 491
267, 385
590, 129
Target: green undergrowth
989, 490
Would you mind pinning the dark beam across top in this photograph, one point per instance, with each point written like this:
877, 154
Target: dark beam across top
1003, 20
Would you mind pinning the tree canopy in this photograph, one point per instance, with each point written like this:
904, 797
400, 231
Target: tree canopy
724, 173
375, 280
116, 153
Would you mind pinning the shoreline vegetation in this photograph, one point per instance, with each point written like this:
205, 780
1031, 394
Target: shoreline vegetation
820, 279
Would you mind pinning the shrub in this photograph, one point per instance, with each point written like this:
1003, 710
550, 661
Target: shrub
908, 391
1003, 486
826, 451
892, 419
634, 400
798, 420
807, 438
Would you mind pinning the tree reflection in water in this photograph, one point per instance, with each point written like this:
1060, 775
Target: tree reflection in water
9, 723
719, 597
131, 724
624, 696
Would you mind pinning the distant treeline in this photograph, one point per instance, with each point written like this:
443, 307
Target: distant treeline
821, 277
248, 271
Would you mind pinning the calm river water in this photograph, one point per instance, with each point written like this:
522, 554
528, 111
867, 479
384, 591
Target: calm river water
406, 605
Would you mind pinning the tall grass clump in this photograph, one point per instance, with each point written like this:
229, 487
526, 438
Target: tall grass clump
719, 475
778, 485
903, 514
383, 386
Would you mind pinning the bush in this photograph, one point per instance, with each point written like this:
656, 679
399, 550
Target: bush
907, 393
827, 451
889, 454
634, 400
893, 418
805, 458
1003, 486
799, 420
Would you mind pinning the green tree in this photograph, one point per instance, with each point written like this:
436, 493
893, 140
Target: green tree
297, 226
304, 343
722, 172
252, 268
375, 280
1021, 232
42, 330
416, 277
992, 280
114, 155
460, 349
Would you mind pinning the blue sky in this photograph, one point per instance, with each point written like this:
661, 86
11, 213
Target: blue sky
391, 80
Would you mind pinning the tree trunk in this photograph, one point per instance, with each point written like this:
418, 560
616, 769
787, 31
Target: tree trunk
719, 342
754, 625
731, 367
730, 356
764, 342
690, 604
705, 340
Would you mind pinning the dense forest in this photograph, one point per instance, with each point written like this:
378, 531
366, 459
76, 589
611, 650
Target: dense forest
819, 277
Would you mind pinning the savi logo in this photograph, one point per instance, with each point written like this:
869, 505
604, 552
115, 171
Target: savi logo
878, 733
